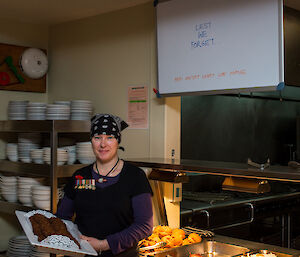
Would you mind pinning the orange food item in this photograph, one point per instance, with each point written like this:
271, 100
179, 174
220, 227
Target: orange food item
194, 238
195, 255
177, 232
165, 231
157, 229
172, 237
168, 240
186, 241
176, 241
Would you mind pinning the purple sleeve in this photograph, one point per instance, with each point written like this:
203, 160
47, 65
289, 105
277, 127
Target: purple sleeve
65, 209
140, 228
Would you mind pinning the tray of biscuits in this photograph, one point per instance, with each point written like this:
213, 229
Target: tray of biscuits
53, 235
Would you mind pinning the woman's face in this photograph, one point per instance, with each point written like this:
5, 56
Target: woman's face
105, 147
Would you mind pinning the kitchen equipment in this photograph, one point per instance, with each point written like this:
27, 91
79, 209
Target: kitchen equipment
205, 248
246, 185
34, 63
204, 233
158, 245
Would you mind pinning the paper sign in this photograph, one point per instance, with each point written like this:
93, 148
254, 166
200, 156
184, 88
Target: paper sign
137, 107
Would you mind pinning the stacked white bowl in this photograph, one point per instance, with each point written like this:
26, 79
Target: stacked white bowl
62, 155
71, 153
18, 246
27, 142
41, 197
9, 188
84, 152
58, 112
81, 110
12, 152
24, 189
37, 156
36, 111
17, 110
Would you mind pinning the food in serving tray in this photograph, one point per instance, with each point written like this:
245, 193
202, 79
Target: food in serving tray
52, 230
171, 237
195, 255
265, 254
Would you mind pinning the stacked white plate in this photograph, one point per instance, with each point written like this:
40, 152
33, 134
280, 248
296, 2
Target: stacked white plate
37, 156
58, 112
71, 153
12, 152
62, 155
36, 253
27, 142
68, 103
81, 110
9, 188
25, 189
18, 246
84, 153
17, 110
36, 111
41, 197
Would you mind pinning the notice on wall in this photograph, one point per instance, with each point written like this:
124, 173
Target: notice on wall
216, 46
138, 106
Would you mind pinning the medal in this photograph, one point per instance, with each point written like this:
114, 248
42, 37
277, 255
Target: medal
101, 180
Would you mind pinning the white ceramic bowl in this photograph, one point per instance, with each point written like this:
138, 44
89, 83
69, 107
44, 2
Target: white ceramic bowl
13, 158
10, 197
41, 197
42, 204
8, 178
41, 188
25, 199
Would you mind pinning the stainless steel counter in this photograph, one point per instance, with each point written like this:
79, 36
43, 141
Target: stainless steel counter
223, 246
279, 173
256, 246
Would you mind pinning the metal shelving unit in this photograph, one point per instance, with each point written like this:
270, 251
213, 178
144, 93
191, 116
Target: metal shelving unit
53, 171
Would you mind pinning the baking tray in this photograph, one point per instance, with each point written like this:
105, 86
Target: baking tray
207, 248
86, 248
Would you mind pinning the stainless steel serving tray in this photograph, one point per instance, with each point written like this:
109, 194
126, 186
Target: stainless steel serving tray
207, 248
278, 254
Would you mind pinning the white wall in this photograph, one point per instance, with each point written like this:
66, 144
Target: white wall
98, 58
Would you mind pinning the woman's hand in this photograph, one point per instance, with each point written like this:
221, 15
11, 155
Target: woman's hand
98, 245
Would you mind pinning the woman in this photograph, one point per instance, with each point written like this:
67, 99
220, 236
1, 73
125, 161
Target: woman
111, 198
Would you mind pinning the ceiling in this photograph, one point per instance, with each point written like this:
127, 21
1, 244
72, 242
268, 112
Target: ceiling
50, 12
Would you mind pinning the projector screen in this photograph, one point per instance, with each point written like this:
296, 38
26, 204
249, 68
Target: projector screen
219, 46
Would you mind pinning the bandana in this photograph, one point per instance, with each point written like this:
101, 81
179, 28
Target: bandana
107, 124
